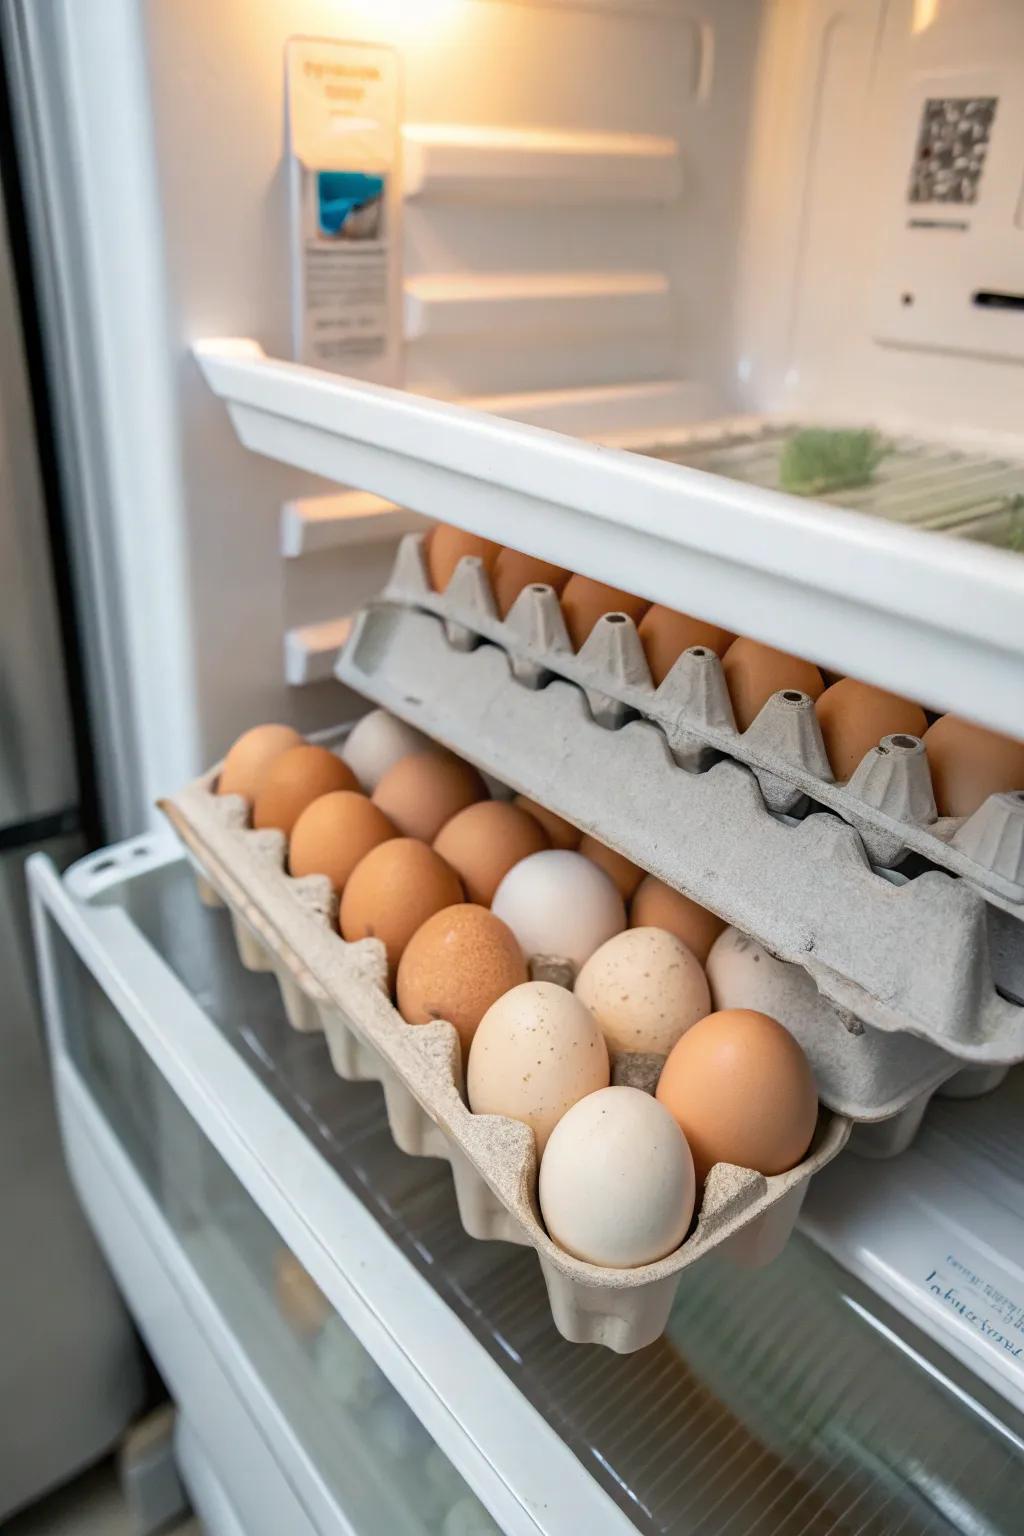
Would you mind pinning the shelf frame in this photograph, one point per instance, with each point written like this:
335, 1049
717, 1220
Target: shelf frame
930, 617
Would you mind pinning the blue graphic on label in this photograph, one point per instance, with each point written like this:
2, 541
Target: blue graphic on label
986, 1309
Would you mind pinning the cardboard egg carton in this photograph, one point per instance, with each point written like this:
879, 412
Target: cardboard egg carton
286, 926
889, 798
912, 978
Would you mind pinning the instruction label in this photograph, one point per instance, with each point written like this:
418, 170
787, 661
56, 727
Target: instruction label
985, 1308
343, 131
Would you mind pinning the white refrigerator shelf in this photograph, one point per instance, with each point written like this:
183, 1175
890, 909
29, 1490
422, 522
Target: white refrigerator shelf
933, 617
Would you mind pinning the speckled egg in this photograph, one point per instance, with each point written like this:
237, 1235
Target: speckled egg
657, 905
754, 672
645, 989
455, 966
293, 781
420, 793
483, 842
392, 891
536, 1051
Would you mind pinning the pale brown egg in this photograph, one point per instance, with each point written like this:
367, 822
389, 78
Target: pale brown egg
423, 791
969, 763
657, 905
392, 891
294, 780
447, 545
251, 756
666, 635
514, 571
741, 1091
455, 966
483, 842
561, 833
585, 601
855, 716
754, 672
299, 1298
334, 833
626, 876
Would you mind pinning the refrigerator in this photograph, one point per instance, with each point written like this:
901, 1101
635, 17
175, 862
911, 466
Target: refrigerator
315, 275
62, 1314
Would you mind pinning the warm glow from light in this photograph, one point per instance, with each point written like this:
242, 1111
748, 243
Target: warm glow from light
405, 18
925, 12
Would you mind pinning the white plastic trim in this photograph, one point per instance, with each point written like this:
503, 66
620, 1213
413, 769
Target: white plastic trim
510, 1456
934, 618
310, 651
315, 523
550, 302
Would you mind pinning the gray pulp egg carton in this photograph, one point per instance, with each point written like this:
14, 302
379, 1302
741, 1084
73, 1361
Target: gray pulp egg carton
286, 925
910, 976
888, 799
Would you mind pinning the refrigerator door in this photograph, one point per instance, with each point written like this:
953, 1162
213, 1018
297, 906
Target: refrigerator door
37, 770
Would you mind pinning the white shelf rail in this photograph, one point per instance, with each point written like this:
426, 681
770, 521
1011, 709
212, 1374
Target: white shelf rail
936, 619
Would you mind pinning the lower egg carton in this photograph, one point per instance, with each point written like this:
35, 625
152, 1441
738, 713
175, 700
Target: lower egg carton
284, 926
893, 983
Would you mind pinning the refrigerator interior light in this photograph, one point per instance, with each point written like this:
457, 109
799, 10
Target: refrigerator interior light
405, 18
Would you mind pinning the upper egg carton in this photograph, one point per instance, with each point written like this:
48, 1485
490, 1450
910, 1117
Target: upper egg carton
287, 925
893, 954
888, 799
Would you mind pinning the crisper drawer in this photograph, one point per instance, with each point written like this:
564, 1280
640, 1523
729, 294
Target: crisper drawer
221, 1159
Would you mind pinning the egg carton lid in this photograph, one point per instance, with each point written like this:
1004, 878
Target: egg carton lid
889, 797
292, 917
911, 957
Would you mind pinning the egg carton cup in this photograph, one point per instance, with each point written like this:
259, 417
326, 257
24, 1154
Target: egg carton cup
888, 799
904, 970
285, 925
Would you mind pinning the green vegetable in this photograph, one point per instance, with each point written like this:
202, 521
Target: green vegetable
817, 460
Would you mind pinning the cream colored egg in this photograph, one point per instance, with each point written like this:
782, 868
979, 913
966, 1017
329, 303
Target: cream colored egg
645, 989
560, 906
376, 743
536, 1051
617, 1185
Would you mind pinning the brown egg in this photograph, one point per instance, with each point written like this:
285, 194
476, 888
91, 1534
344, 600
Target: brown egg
294, 780
299, 1298
969, 763
483, 842
513, 571
334, 833
251, 756
754, 672
667, 634
392, 892
657, 905
455, 966
625, 875
423, 791
585, 601
561, 833
855, 716
445, 548
742, 1091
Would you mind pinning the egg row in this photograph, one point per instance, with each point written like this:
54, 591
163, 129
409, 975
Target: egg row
967, 762
535, 1051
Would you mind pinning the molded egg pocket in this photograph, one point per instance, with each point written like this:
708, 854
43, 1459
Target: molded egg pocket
343, 987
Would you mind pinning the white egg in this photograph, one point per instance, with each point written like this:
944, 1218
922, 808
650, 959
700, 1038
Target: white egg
645, 989
535, 1052
559, 905
376, 743
617, 1186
